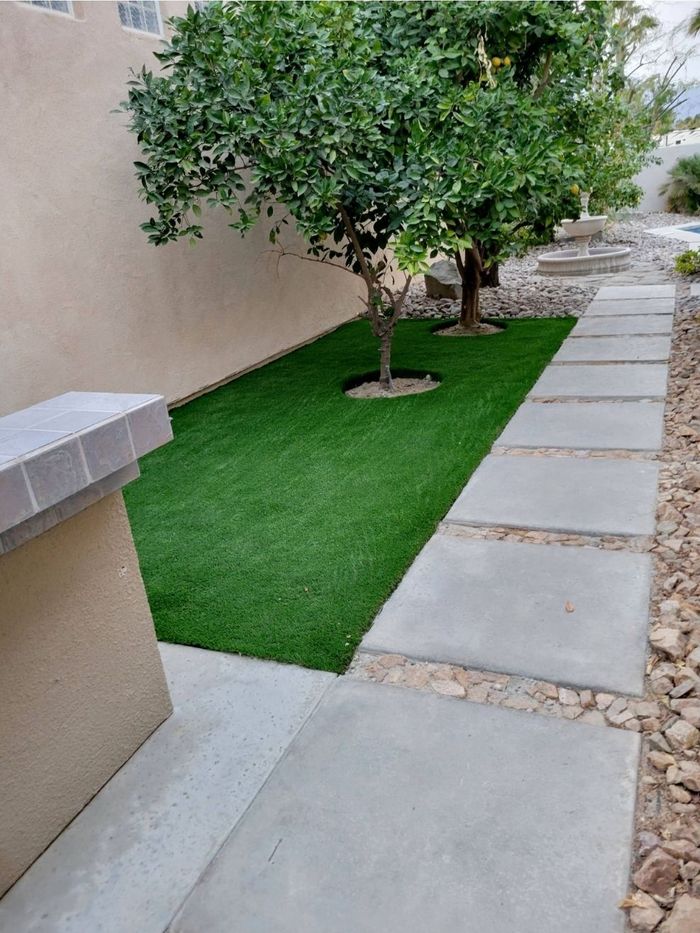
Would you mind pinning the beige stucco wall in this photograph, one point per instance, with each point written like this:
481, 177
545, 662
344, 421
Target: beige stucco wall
81, 682
85, 302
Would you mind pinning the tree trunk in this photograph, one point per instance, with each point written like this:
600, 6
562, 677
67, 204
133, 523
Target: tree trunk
385, 379
489, 270
469, 314
489, 277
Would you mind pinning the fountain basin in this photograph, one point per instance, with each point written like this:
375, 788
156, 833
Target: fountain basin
598, 260
584, 226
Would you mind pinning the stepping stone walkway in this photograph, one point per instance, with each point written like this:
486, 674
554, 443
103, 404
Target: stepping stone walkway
501, 606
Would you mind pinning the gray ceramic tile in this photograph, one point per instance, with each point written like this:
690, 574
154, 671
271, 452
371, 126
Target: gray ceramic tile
73, 421
26, 418
107, 447
15, 500
25, 440
97, 401
150, 426
34, 526
57, 473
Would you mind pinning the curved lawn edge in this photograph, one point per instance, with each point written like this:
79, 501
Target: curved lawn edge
284, 513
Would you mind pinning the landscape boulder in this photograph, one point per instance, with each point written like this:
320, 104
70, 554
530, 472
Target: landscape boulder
443, 280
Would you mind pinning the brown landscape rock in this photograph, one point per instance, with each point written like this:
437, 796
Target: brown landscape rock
658, 873
685, 916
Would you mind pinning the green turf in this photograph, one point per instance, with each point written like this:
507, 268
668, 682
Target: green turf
284, 513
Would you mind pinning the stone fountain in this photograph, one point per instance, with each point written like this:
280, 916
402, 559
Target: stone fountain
584, 259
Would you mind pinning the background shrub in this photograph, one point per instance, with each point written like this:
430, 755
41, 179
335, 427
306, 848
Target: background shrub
683, 187
688, 263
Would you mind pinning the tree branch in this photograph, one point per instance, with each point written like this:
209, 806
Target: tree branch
366, 273
326, 262
544, 80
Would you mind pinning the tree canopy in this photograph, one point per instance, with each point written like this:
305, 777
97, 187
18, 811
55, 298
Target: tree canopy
390, 131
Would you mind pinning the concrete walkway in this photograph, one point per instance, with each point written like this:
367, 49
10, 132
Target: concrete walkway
279, 800
501, 606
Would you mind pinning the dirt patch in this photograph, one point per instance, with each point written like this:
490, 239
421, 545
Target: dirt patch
478, 330
403, 385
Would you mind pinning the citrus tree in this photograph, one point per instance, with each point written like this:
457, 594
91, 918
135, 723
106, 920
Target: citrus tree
266, 104
389, 132
527, 109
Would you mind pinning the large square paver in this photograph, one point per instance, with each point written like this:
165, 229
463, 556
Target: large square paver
586, 426
665, 290
630, 349
631, 306
127, 862
561, 494
615, 380
624, 324
501, 606
402, 812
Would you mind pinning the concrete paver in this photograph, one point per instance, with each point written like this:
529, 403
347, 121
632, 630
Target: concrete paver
632, 349
609, 326
589, 426
399, 811
632, 307
609, 381
662, 290
562, 494
502, 606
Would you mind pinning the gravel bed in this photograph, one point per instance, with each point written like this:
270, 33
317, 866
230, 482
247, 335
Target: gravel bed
523, 293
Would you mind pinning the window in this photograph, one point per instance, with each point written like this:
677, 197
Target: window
141, 15
55, 6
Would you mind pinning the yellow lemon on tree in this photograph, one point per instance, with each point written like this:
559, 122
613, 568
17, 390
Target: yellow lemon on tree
506, 61
574, 189
496, 62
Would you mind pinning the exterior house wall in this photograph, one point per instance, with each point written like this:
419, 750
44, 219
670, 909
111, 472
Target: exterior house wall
653, 176
87, 303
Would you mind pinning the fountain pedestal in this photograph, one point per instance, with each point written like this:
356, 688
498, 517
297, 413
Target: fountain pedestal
585, 260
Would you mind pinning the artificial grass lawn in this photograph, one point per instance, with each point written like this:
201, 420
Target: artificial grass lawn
284, 513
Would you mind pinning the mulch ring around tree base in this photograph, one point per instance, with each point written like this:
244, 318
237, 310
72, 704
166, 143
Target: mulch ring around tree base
476, 330
403, 385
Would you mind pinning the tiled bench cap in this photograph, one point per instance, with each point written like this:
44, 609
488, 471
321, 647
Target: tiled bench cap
60, 456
